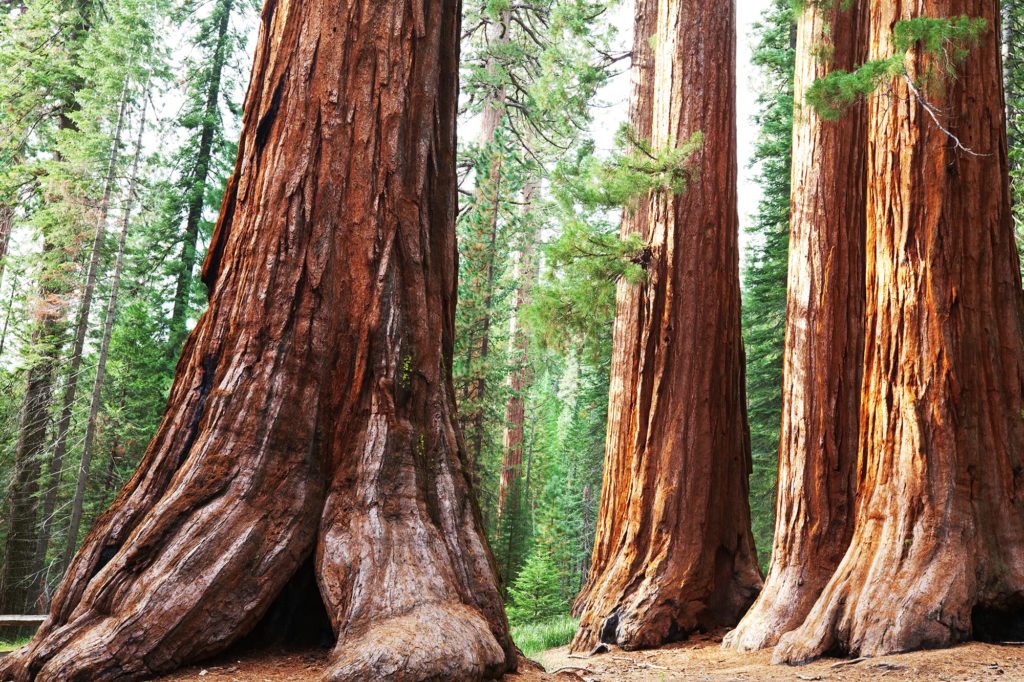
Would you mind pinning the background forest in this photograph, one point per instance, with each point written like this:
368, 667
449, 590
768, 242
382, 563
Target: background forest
118, 129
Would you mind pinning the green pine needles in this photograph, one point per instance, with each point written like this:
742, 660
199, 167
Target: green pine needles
945, 41
637, 169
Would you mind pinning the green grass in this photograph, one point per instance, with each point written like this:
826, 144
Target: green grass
537, 637
11, 646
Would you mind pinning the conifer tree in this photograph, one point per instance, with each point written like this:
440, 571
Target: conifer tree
939, 527
203, 160
39, 134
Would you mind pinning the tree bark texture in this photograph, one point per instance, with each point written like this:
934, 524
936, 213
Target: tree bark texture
624, 378
313, 410
824, 336
937, 554
684, 556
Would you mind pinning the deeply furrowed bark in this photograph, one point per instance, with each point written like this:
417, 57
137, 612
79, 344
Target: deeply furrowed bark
937, 554
824, 338
313, 407
683, 558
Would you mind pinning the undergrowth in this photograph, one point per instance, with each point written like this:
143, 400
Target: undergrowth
533, 638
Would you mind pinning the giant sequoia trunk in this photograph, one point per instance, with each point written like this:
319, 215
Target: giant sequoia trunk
682, 557
936, 555
312, 414
824, 338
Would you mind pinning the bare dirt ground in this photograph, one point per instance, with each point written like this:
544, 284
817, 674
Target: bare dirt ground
699, 659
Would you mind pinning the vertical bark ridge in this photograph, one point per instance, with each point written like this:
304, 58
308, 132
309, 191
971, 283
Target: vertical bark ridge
313, 407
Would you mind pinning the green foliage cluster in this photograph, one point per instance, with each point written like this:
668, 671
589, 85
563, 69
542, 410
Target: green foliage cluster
636, 169
942, 41
535, 594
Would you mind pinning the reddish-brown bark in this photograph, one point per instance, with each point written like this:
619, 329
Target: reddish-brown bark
937, 554
824, 337
313, 407
6, 225
683, 555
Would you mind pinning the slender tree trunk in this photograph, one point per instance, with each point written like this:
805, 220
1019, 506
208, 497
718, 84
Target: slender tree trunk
196, 183
622, 392
824, 337
939, 529
684, 557
18, 586
6, 225
101, 364
483, 248
75, 361
521, 378
7, 315
313, 410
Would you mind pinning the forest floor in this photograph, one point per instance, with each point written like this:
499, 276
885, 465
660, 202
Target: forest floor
698, 659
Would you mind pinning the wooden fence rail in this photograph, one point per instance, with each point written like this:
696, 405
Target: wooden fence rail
20, 621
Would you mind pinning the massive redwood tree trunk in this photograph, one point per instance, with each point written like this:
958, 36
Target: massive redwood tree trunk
937, 554
824, 337
313, 411
682, 557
